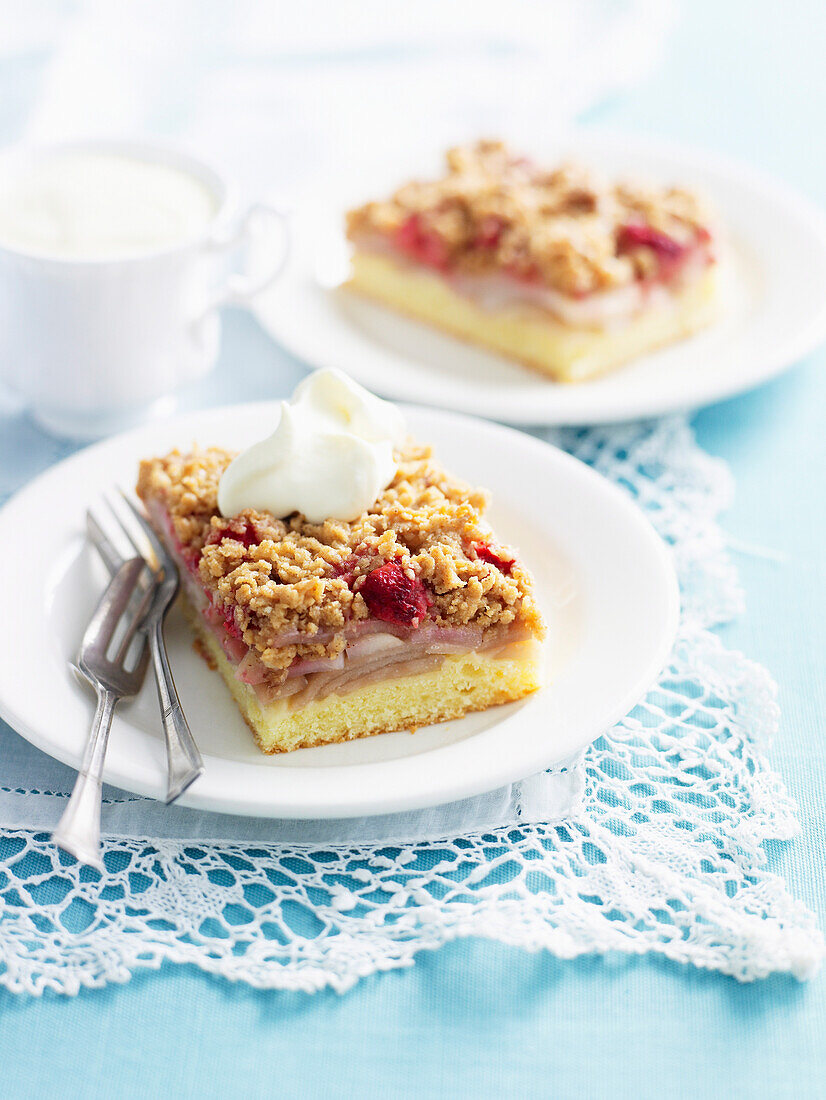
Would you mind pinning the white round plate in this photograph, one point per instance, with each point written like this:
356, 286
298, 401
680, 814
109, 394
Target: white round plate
774, 291
604, 581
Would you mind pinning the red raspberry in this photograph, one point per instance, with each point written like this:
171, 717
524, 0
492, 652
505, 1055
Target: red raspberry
230, 624
239, 530
394, 597
494, 557
414, 238
645, 236
218, 615
345, 570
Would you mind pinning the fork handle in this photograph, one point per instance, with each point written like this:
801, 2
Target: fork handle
78, 831
183, 760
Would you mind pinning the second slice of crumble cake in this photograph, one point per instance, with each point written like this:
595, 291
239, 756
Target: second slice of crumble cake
554, 267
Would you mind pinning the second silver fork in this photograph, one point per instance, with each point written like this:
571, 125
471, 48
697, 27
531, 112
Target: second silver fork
184, 761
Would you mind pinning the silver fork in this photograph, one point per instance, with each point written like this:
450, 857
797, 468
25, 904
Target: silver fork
184, 762
78, 830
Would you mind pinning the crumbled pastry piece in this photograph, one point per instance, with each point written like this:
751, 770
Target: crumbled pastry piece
564, 229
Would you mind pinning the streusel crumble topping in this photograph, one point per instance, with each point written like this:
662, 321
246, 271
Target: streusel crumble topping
563, 228
422, 553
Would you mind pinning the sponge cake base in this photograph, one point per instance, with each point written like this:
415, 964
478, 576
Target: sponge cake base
529, 334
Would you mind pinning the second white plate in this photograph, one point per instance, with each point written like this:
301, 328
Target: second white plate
774, 290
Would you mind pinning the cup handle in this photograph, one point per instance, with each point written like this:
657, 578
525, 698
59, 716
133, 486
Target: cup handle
241, 289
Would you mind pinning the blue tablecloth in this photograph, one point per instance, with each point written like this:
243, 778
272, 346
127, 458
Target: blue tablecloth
478, 1019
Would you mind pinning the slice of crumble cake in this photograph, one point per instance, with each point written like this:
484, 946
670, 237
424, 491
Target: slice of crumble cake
555, 268
409, 614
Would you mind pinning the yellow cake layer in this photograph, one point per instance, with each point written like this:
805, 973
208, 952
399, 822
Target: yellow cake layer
461, 684
527, 333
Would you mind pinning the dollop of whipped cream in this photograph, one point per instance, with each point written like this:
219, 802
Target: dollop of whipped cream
330, 456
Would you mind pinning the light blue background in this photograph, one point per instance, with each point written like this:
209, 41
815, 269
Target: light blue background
476, 1019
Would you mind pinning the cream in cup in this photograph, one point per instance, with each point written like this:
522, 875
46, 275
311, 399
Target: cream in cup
111, 268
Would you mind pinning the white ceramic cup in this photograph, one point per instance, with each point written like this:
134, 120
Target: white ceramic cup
95, 345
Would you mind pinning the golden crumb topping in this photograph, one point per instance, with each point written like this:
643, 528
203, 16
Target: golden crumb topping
564, 228
423, 554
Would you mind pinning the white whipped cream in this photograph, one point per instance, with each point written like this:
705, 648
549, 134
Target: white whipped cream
330, 456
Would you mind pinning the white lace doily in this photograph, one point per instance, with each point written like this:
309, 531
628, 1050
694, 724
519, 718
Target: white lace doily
666, 855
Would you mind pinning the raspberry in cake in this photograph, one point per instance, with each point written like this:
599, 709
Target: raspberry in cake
556, 268
407, 613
